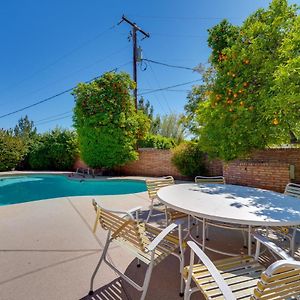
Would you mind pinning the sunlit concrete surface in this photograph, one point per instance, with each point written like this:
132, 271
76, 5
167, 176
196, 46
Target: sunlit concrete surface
48, 251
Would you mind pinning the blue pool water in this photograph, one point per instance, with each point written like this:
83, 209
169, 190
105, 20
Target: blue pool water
18, 189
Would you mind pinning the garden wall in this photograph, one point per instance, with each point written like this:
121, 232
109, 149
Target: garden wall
270, 176
269, 169
152, 162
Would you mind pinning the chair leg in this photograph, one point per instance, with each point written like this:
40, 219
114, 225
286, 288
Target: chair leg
207, 238
91, 292
181, 266
150, 213
166, 216
245, 239
293, 241
147, 280
197, 229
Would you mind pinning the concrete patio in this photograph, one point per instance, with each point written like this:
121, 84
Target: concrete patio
48, 251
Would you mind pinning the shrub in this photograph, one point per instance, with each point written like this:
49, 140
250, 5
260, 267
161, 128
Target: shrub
189, 159
106, 122
55, 150
157, 142
11, 150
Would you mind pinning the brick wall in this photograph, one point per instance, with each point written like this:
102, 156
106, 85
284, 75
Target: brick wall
269, 169
284, 155
214, 167
271, 176
152, 162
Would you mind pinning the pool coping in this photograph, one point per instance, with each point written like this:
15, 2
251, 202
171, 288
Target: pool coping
73, 176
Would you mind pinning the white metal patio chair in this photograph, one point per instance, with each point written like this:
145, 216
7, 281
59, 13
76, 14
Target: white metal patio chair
147, 243
153, 185
243, 277
289, 233
210, 179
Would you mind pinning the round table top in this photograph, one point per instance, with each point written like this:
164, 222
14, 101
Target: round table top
232, 204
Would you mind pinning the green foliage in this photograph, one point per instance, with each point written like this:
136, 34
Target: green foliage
157, 142
170, 126
147, 109
25, 128
253, 100
221, 36
11, 150
106, 122
26, 131
189, 159
54, 150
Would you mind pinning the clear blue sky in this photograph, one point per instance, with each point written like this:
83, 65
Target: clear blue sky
50, 46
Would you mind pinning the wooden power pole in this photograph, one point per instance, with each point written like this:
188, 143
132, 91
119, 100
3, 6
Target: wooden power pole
135, 29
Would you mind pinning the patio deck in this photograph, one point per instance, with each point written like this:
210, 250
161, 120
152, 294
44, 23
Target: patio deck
48, 251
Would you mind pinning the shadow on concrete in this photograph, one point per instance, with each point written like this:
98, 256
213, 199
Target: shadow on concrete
164, 284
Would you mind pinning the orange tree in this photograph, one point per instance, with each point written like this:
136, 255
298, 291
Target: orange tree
253, 99
106, 122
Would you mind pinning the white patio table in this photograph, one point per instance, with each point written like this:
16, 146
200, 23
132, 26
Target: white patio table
232, 204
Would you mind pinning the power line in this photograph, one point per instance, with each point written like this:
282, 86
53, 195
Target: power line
79, 70
169, 87
49, 121
162, 93
165, 18
63, 57
51, 117
50, 98
168, 65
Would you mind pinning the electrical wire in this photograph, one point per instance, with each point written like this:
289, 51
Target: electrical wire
51, 117
164, 18
57, 119
79, 70
162, 93
62, 57
169, 87
51, 97
168, 65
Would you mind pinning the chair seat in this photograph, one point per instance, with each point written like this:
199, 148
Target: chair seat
168, 246
172, 213
241, 273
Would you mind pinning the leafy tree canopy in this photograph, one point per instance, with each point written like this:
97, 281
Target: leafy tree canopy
11, 150
25, 128
106, 122
253, 100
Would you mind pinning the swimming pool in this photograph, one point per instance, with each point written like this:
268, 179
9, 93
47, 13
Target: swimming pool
19, 189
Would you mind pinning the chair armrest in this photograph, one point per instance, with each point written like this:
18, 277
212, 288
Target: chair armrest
271, 246
223, 286
161, 236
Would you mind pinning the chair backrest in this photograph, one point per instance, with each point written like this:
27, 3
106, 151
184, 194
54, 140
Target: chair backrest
280, 281
124, 229
153, 185
211, 179
292, 189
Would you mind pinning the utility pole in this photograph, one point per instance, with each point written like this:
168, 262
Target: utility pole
135, 29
